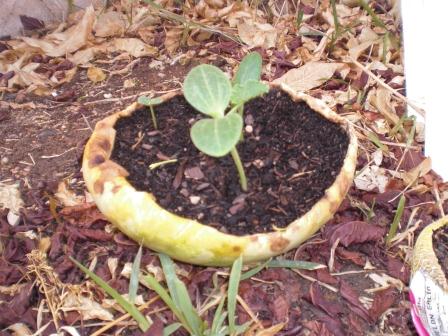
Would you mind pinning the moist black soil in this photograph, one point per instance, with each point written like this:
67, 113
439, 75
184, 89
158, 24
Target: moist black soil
440, 245
291, 156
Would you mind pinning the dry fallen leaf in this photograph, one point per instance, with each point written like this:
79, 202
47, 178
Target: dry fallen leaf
96, 74
372, 178
421, 170
382, 100
133, 46
256, 34
88, 308
110, 24
73, 39
10, 197
66, 196
309, 76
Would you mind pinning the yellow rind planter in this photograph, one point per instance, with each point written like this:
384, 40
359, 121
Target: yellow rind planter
428, 285
137, 214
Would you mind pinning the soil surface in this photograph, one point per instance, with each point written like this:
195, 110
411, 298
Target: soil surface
440, 245
291, 156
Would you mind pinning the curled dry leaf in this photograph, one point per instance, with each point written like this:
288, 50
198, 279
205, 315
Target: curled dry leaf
67, 197
172, 39
73, 39
133, 46
109, 24
382, 100
88, 308
96, 74
309, 76
356, 232
421, 170
372, 178
10, 197
256, 34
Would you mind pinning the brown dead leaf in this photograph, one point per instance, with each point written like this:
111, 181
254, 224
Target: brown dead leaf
88, 308
256, 34
272, 331
10, 197
421, 170
356, 232
66, 196
110, 23
73, 39
172, 39
382, 100
309, 76
96, 74
382, 301
133, 46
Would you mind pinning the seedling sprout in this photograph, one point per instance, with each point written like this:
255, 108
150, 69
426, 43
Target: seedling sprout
150, 102
209, 91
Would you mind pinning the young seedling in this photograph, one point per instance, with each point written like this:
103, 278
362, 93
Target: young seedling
150, 102
209, 91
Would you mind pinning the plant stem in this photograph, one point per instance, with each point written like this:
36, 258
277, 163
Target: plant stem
239, 167
153, 116
241, 110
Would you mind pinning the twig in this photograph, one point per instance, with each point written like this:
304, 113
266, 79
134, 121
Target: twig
57, 155
438, 200
123, 317
388, 87
108, 100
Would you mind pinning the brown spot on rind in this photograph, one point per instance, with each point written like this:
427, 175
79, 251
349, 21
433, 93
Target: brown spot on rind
96, 160
279, 244
98, 187
105, 145
236, 249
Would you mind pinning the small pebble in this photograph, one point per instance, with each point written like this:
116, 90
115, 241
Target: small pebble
4, 160
194, 199
107, 95
249, 129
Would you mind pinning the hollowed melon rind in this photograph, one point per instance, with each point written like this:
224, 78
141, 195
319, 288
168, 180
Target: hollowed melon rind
424, 258
138, 215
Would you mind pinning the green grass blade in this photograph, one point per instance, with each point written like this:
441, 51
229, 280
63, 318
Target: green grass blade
250, 273
133, 280
306, 265
377, 142
218, 318
169, 271
188, 310
394, 226
234, 281
376, 20
167, 331
165, 296
142, 321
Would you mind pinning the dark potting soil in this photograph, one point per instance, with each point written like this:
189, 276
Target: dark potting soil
440, 245
290, 153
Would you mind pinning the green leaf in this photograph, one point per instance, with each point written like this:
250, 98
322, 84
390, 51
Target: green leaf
133, 281
217, 137
208, 90
242, 93
250, 273
153, 283
218, 319
249, 69
142, 321
167, 331
234, 281
169, 271
306, 265
186, 306
397, 218
149, 101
